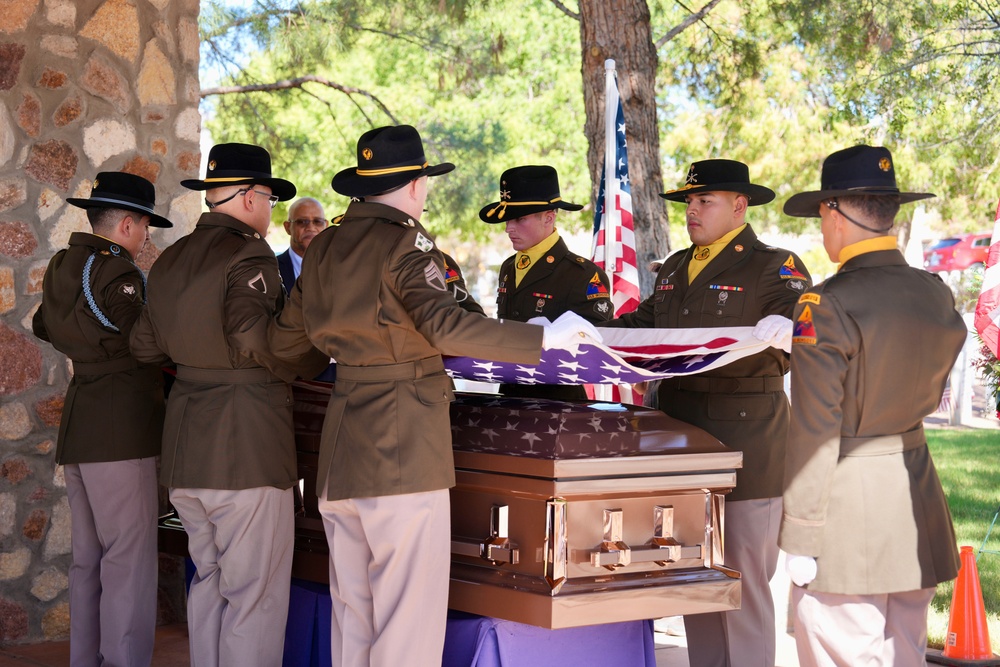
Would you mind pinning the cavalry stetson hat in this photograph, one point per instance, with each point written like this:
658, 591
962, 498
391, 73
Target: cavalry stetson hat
388, 157
116, 189
240, 164
526, 190
720, 176
858, 170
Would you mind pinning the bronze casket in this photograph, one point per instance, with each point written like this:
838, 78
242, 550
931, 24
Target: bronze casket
573, 513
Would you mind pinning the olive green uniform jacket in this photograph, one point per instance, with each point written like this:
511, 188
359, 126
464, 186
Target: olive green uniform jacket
873, 348
114, 407
229, 415
558, 283
372, 295
743, 403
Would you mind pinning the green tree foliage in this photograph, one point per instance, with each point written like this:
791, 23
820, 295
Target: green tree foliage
487, 90
778, 85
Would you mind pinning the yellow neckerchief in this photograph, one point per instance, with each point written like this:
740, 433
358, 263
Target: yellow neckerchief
868, 245
525, 259
704, 254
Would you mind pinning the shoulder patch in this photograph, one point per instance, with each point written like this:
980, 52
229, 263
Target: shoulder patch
804, 332
258, 283
434, 277
423, 243
797, 285
129, 290
788, 270
811, 297
596, 288
602, 306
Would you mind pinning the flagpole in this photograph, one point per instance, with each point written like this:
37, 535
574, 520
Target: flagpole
612, 216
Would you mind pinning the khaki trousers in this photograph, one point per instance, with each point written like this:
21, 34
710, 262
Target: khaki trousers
888, 630
390, 561
112, 579
744, 637
241, 544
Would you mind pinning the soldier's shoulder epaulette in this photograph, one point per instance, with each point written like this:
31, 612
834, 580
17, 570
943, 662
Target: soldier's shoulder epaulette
579, 261
765, 247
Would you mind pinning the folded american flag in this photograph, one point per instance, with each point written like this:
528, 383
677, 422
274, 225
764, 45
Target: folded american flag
626, 356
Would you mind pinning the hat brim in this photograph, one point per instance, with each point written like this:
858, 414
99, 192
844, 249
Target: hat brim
154, 220
758, 194
806, 204
279, 186
513, 211
348, 183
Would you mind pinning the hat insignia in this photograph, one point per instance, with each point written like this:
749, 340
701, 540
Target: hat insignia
367, 154
692, 177
884, 164
95, 184
211, 165
505, 195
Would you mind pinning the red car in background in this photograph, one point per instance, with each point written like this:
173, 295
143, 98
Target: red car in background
957, 253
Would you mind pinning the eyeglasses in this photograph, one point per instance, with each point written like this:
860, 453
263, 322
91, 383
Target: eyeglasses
272, 199
305, 222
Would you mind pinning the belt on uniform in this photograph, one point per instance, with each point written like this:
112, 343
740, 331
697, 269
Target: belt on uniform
880, 445
225, 375
104, 367
755, 385
410, 370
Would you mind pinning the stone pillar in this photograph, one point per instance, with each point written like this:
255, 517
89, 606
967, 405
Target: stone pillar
85, 86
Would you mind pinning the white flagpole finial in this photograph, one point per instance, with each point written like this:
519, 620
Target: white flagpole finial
609, 65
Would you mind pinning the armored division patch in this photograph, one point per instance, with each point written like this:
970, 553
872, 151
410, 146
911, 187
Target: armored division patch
596, 289
804, 332
789, 270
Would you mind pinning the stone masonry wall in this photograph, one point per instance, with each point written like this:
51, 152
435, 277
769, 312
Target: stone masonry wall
85, 86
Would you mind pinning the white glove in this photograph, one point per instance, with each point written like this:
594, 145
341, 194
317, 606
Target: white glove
541, 321
776, 331
568, 332
801, 569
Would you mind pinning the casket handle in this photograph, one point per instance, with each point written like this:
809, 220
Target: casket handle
497, 548
661, 549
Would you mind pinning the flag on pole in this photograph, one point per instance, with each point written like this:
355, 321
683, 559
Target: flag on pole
987, 319
614, 233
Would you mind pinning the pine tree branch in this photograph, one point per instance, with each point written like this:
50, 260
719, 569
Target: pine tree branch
298, 82
566, 10
686, 23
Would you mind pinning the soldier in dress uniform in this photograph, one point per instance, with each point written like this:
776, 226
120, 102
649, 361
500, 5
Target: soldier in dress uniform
112, 420
228, 450
373, 295
543, 278
729, 278
866, 523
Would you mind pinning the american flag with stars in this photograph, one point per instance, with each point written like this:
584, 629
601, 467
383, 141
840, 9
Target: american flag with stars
625, 356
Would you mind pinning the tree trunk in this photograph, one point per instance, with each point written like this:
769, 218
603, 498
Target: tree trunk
620, 29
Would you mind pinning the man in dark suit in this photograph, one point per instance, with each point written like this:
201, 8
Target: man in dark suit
305, 220
228, 445
866, 523
112, 421
543, 278
373, 294
729, 278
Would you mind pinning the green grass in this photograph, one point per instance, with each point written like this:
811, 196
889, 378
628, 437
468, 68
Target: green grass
968, 462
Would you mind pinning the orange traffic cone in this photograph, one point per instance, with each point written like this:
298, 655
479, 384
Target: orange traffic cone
968, 640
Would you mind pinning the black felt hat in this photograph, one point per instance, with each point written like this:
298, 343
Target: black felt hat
858, 170
526, 190
116, 189
388, 157
720, 176
240, 164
